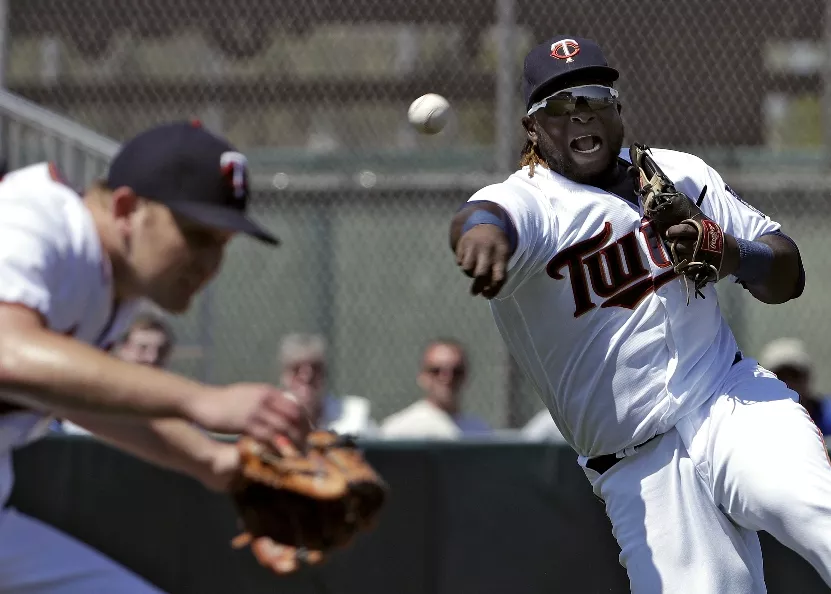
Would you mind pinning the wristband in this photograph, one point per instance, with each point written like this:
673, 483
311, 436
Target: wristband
483, 217
755, 261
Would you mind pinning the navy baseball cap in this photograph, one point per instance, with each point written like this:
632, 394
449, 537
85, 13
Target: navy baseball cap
191, 171
560, 59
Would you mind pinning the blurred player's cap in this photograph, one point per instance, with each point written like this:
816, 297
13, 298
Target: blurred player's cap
191, 171
786, 352
560, 59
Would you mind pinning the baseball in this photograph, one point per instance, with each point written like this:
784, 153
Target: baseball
429, 113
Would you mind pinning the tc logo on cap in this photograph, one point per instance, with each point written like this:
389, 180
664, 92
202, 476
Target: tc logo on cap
235, 168
565, 49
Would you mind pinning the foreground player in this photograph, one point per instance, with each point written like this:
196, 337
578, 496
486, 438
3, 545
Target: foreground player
72, 271
692, 447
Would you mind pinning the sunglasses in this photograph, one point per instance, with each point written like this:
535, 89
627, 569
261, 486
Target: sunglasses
456, 370
295, 367
595, 97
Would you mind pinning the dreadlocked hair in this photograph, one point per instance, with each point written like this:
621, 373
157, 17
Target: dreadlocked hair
531, 157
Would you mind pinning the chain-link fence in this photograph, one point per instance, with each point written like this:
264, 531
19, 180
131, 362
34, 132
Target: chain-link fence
316, 94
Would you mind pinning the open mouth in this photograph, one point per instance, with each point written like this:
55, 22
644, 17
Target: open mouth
586, 145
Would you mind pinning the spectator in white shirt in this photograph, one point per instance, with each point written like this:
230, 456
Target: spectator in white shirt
438, 414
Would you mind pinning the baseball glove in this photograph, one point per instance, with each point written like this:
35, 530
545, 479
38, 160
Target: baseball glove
663, 204
295, 506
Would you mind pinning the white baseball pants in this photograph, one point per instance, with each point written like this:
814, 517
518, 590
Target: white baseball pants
36, 558
686, 507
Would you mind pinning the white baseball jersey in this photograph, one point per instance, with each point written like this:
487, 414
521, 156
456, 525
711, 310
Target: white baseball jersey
594, 314
51, 260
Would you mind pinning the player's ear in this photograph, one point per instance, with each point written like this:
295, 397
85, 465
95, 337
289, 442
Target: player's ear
123, 203
530, 126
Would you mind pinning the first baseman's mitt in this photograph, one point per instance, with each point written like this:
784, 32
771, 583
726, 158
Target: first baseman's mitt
666, 206
297, 506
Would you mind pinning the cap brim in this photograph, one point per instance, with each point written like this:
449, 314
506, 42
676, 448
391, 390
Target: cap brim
602, 73
219, 217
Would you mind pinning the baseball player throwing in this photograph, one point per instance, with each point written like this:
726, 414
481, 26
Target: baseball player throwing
600, 265
72, 271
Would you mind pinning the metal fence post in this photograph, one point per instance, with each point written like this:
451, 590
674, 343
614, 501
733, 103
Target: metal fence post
506, 86
4, 41
504, 158
4, 36
826, 83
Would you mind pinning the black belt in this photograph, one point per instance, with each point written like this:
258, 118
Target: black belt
601, 464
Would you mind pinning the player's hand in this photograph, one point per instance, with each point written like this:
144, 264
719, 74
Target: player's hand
686, 235
483, 253
260, 411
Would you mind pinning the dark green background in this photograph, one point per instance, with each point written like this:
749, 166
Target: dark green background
462, 519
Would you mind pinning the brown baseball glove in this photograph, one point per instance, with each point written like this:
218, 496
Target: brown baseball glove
295, 507
696, 242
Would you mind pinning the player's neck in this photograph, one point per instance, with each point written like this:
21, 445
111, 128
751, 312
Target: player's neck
110, 253
615, 177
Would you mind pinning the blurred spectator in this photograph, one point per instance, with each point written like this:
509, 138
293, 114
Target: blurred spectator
302, 362
437, 415
788, 358
542, 428
148, 341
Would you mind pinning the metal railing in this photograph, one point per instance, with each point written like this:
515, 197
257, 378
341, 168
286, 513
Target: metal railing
30, 133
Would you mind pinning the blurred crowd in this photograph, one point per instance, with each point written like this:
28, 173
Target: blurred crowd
301, 366
437, 411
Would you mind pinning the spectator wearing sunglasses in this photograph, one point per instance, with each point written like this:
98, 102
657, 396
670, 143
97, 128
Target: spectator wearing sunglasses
438, 414
303, 372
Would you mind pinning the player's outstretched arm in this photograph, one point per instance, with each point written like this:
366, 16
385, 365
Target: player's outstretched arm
170, 443
480, 237
46, 371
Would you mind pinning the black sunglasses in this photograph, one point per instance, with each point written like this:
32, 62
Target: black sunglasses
456, 369
595, 97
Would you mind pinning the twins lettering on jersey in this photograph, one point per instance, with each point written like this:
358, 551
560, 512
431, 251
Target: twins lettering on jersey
615, 271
